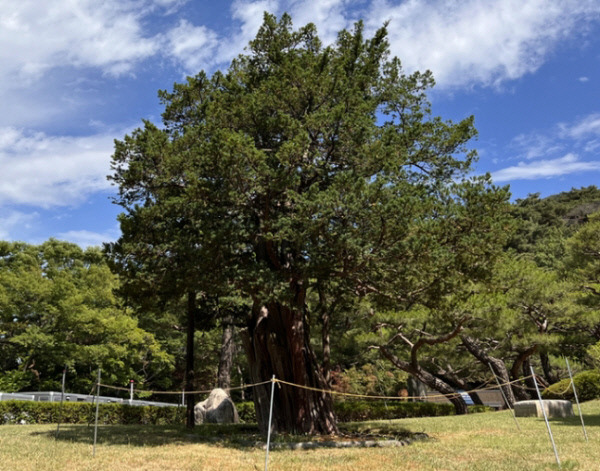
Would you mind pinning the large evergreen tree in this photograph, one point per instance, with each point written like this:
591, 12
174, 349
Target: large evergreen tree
301, 168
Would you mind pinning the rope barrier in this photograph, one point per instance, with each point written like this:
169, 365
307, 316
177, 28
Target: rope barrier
397, 398
206, 391
570, 386
325, 391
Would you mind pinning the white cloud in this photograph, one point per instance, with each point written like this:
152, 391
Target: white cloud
592, 146
11, 220
535, 145
583, 79
585, 127
538, 169
170, 6
47, 171
476, 42
86, 239
192, 45
581, 136
329, 16
249, 18
48, 43
464, 43
84, 33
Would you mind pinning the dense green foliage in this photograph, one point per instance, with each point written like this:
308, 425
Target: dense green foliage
304, 174
58, 309
28, 412
587, 384
543, 224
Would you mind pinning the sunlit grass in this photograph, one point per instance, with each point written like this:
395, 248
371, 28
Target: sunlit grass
487, 441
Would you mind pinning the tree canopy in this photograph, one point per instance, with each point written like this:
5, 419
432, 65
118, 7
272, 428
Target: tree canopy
304, 166
57, 309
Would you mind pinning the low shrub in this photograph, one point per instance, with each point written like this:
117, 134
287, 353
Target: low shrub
28, 412
587, 384
246, 412
356, 411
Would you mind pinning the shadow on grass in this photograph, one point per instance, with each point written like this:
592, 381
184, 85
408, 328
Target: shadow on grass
374, 429
236, 436
590, 420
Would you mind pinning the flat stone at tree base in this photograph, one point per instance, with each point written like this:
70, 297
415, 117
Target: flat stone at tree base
553, 407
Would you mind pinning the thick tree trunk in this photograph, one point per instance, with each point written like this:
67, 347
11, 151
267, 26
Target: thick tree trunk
277, 343
226, 354
551, 378
460, 406
189, 360
497, 365
521, 364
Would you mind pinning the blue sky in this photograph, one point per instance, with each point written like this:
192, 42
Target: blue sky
76, 74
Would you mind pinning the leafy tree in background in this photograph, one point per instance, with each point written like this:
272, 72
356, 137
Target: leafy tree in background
544, 224
165, 286
583, 266
558, 233
166, 265
411, 340
524, 316
307, 168
57, 308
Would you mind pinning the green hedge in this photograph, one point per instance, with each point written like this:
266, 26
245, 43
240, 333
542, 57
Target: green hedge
587, 384
356, 411
28, 412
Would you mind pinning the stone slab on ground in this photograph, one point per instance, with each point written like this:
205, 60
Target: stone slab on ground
553, 407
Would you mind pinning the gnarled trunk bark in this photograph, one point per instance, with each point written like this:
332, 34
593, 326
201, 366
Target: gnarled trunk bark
497, 365
522, 363
277, 343
460, 406
550, 376
459, 383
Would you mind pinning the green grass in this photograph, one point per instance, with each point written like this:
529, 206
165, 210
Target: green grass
487, 442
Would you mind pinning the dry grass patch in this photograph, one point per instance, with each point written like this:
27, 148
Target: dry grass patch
485, 442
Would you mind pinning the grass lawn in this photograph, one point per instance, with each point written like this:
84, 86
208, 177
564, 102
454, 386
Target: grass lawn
486, 441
